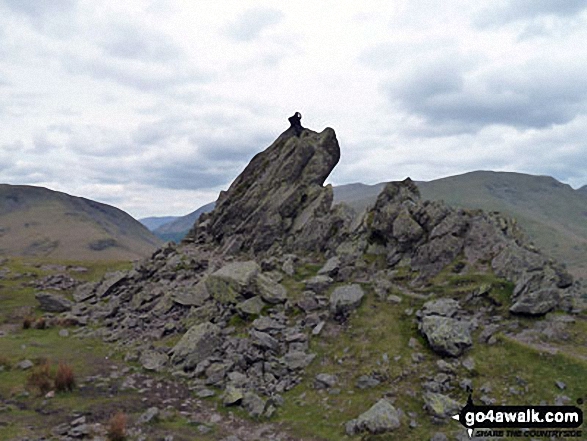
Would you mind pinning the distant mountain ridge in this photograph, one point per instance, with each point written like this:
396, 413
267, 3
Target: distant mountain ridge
154, 222
36, 221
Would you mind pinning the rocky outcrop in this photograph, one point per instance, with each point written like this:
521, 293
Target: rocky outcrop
274, 266
428, 236
278, 200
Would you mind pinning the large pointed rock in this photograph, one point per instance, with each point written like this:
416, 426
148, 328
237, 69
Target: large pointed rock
278, 195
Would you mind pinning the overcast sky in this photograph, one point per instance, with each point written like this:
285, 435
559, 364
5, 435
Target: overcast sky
154, 106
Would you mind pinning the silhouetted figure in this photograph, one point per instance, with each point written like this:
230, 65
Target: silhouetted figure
295, 122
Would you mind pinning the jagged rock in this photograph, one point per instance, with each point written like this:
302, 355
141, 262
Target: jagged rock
319, 284
537, 302
445, 335
232, 395
198, 342
441, 406
110, 282
252, 306
53, 302
270, 291
443, 307
382, 417
84, 292
278, 199
253, 404
264, 340
153, 360
267, 324
330, 268
346, 298
232, 281
297, 359
325, 381
193, 296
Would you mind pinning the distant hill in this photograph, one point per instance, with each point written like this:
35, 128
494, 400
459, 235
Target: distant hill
552, 213
152, 223
36, 221
176, 230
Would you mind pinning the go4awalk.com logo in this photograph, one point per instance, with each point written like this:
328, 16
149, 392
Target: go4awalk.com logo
521, 421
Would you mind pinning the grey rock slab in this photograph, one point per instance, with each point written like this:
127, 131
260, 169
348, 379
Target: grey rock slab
192, 296
153, 360
232, 281
536, 302
297, 359
346, 298
269, 290
267, 324
198, 343
53, 302
252, 306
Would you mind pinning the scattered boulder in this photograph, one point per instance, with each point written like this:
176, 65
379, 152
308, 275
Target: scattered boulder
325, 381
232, 395
445, 335
232, 281
441, 406
382, 417
345, 299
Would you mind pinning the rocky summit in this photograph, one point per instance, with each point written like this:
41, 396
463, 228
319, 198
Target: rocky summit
277, 288
278, 200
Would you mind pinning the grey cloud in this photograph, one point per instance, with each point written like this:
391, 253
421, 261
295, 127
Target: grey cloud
42, 145
131, 42
249, 25
232, 150
513, 10
36, 8
139, 75
535, 96
182, 175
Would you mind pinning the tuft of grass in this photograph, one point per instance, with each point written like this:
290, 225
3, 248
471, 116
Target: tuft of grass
5, 362
40, 378
64, 378
27, 322
117, 427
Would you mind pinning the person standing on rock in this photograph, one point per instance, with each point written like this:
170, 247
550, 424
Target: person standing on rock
295, 122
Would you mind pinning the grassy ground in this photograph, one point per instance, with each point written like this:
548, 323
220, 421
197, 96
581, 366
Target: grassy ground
374, 341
